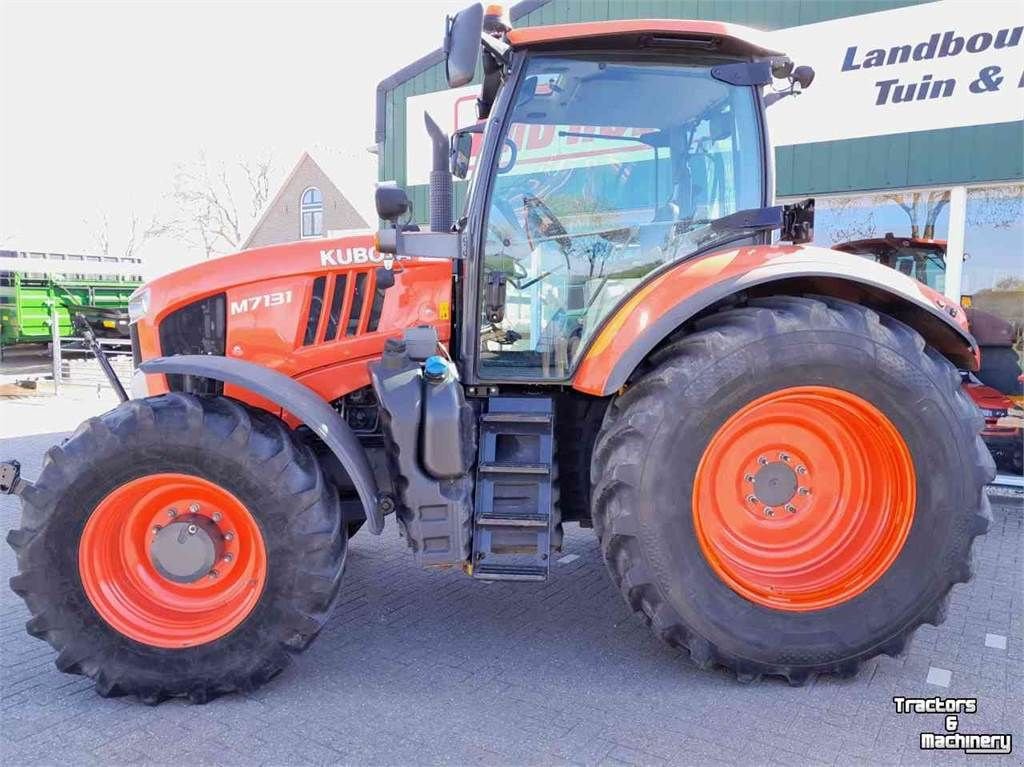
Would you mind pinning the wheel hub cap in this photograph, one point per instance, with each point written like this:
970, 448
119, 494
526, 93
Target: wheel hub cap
804, 498
188, 550
775, 484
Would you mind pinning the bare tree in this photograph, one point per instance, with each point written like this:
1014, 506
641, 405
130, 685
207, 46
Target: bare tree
855, 216
135, 237
999, 207
101, 235
209, 215
922, 208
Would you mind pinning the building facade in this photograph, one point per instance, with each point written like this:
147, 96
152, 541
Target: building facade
911, 138
308, 205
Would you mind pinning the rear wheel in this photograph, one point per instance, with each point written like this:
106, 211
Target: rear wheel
791, 489
179, 546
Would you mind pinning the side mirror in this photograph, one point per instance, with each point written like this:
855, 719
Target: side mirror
461, 151
462, 45
392, 202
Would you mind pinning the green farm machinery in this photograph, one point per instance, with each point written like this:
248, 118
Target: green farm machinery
31, 287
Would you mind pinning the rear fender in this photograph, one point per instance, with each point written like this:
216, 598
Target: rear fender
681, 292
299, 400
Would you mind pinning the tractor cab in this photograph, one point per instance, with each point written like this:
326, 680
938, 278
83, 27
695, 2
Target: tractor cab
921, 258
610, 151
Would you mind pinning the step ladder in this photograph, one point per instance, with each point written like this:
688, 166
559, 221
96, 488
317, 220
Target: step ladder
513, 521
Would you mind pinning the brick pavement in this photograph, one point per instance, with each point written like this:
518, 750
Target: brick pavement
422, 667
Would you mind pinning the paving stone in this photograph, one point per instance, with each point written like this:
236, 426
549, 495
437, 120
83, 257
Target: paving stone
431, 668
997, 641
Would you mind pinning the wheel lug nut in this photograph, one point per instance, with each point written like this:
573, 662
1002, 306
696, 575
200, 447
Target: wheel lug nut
804, 491
801, 469
192, 529
213, 573
791, 508
156, 529
229, 536
193, 508
751, 499
769, 511
762, 460
749, 478
172, 513
216, 516
228, 557
784, 457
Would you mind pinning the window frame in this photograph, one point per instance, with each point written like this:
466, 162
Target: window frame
311, 208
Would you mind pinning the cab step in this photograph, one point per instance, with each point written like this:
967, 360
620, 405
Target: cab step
510, 572
513, 521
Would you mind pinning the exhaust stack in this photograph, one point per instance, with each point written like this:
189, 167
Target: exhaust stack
440, 179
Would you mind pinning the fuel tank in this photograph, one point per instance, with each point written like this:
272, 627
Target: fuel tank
312, 310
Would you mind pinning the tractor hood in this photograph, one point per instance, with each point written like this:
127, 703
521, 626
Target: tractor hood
312, 257
312, 310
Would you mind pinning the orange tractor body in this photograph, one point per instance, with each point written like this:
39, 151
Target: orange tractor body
310, 310
620, 331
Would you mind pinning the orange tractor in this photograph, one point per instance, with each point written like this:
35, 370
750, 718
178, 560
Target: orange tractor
769, 439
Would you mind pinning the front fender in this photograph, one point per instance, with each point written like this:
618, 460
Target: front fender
680, 292
297, 399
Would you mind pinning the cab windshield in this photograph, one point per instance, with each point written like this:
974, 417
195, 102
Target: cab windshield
609, 169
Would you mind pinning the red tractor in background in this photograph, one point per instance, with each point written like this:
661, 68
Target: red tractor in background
769, 439
999, 375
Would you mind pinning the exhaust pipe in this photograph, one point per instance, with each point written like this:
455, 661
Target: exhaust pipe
440, 179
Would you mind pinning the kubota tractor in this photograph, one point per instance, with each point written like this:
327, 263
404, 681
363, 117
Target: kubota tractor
769, 439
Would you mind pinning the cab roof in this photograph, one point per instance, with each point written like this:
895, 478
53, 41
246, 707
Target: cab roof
713, 35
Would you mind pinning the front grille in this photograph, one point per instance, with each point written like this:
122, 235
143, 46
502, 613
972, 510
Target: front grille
354, 307
357, 305
316, 306
199, 328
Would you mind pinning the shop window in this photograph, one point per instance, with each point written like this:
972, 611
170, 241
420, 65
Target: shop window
993, 292
905, 230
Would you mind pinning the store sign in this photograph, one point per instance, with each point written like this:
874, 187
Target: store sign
945, 64
938, 65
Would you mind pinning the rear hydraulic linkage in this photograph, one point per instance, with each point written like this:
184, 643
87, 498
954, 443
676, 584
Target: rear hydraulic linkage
11, 482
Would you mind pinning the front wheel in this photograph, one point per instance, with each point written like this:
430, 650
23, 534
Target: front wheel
179, 546
791, 489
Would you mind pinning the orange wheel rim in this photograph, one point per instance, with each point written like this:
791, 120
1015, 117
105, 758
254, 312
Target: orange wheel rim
172, 560
804, 498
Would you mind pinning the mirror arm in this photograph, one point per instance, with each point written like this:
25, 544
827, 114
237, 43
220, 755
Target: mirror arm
498, 48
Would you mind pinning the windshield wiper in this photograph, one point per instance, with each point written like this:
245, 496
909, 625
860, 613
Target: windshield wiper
752, 219
795, 222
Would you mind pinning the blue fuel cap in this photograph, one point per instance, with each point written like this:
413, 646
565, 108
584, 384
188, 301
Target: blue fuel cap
435, 368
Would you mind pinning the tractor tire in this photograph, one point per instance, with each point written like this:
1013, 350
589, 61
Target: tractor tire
101, 563
792, 488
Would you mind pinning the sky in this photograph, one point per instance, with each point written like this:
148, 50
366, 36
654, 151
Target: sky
100, 102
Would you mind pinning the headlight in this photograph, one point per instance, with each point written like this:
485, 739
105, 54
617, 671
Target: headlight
138, 304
